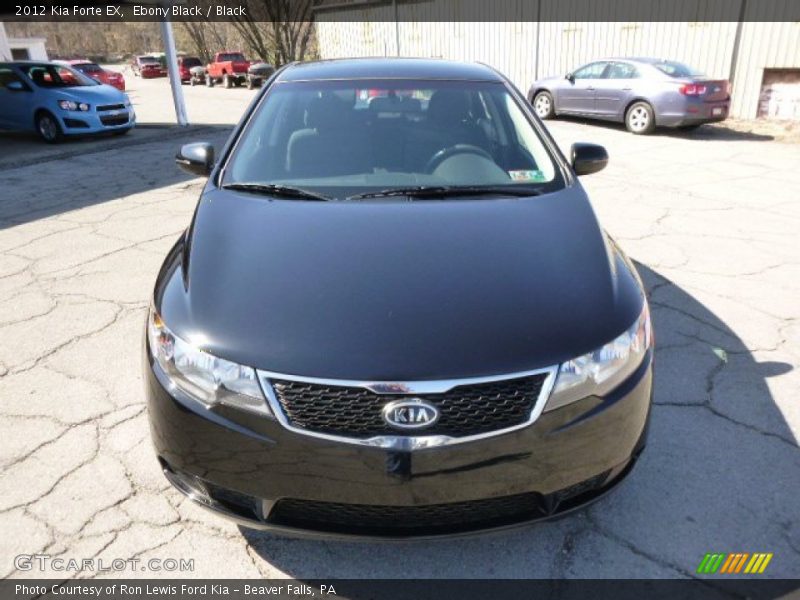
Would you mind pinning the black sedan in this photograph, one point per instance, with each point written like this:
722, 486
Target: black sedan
395, 318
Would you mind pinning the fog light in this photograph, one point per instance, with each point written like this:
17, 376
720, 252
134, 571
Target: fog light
188, 484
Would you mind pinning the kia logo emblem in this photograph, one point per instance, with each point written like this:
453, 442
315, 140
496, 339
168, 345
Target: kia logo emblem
413, 413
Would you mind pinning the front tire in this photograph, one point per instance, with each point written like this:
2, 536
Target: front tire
209, 81
640, 118
226, 81
48, 128
543, 105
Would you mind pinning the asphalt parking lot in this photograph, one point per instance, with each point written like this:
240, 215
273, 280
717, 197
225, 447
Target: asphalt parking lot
711, 218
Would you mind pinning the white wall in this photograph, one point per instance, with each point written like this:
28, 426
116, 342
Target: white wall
35, 47
432, 29
5, 51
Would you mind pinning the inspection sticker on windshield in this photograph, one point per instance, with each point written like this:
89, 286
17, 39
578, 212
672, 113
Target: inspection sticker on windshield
526, 175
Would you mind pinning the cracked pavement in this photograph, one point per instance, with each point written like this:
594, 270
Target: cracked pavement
712, 222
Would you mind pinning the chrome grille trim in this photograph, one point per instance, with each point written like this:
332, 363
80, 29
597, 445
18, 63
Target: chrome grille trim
395, 388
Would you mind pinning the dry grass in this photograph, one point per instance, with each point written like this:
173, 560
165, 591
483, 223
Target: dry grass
780, 131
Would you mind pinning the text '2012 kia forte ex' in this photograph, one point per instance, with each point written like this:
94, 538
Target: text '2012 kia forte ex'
394, 313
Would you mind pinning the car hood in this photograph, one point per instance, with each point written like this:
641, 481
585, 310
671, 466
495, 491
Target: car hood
393, 290
93, 94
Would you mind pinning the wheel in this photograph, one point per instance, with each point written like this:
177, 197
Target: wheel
191, 82
226, 81
640, 118
543, 105
209, 81
250, 84
48, 128
445, 153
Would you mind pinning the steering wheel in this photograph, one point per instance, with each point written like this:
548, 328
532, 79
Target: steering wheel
445, 153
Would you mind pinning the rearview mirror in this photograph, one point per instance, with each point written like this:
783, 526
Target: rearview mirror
570, 77
197, 158
15, 86
588, 158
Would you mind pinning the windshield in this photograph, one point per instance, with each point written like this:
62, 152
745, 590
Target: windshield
676, 69
191, 62
342, 138
148, 60
231, 57
56, 76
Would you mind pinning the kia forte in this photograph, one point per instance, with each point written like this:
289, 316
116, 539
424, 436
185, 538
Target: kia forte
395, 313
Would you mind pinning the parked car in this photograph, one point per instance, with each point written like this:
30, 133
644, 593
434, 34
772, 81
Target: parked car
97, 72
147, 67
185, 65
643, 93
395, 326
258, 73
228, 68
56, 100
197, 75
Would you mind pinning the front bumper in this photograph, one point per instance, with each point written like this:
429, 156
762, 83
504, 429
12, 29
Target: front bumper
254, 471
92, 121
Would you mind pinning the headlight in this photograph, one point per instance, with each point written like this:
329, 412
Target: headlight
204, 377
72, 105
598, 373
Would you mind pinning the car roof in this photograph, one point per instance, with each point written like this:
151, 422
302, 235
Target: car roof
389, 68
635, 59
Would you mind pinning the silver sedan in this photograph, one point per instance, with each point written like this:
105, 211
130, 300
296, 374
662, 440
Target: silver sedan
643, 93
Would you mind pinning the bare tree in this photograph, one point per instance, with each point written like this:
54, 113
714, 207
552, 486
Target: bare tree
292, 27
198, 34
277, 31
255, 31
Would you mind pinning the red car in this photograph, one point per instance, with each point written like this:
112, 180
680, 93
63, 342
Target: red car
97, 72
185, 63
147, 66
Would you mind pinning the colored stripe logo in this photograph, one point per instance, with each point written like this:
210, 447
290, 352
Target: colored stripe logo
734, 563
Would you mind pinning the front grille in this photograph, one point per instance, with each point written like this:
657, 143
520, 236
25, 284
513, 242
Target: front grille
76, 123
370, 519
356, 412
111, 121
104, 107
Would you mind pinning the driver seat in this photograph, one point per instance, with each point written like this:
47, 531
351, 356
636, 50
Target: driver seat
449, 122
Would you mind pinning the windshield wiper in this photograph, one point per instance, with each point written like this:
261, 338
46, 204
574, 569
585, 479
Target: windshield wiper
444, 191
277, 190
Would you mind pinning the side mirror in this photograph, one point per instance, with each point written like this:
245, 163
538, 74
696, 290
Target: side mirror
588, 158
15, 86
197, 158
570, 77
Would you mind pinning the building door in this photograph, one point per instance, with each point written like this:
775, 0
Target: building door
20, 54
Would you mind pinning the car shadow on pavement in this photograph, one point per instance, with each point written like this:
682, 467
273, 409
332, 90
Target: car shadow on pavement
99, 169
720, 474
715, 132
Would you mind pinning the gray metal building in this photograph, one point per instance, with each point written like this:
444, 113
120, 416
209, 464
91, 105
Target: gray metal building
761, 58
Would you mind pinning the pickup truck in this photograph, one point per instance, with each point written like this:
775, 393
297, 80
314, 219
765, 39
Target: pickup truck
228, 68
